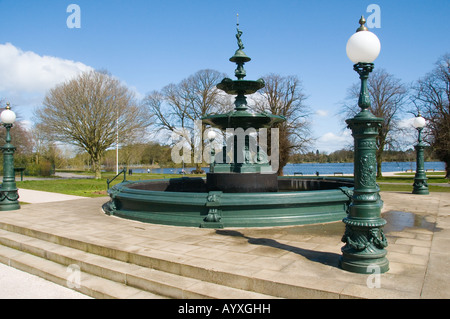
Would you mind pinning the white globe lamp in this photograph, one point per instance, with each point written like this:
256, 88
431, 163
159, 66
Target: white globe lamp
419, 122
211, 135
363, 46
8, 116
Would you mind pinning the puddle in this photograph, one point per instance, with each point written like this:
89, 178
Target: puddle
397, 221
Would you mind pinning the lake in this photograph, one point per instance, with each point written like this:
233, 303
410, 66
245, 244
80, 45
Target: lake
322, 168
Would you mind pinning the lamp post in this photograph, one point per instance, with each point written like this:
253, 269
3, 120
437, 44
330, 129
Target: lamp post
8, 191
420, 185
364, 239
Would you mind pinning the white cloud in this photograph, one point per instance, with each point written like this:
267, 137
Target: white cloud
330, 142
331, 137
27, 76
406, 123
321, 113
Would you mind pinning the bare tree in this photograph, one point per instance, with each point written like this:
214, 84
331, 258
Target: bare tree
87, 110
432, 97
283, 95
388, 98
177, 107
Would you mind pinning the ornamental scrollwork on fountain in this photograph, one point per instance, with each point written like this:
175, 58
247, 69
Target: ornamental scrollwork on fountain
347, 191
213, 215
213, 201
213, 198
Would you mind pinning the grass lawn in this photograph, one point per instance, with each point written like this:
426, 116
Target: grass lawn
403, 182
87, 187
409, 187
78, 187
96, 188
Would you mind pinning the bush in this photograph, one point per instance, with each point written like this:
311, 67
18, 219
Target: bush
42, 169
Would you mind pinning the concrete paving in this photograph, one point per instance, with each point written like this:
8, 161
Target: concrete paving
418, 233
35, 197
17, 284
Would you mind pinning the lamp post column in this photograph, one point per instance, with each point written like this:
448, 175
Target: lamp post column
364, 238
8, 191
420, 185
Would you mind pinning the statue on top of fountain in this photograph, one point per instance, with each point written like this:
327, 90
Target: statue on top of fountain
238, 37
239, 33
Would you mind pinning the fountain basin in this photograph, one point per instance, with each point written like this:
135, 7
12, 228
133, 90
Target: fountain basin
187, 202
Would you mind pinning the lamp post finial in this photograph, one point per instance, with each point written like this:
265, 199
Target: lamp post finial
362, 22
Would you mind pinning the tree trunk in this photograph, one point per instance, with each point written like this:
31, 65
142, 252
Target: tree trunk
97, 167
379, 161
447, 170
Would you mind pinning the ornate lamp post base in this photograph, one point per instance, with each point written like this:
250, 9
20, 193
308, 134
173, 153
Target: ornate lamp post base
364, 250
9, 200
420, 186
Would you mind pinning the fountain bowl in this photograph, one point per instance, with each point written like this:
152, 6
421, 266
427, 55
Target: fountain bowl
186, 201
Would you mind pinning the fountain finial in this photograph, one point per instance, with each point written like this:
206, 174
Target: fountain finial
239, 56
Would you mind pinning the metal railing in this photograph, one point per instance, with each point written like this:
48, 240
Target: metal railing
124, 171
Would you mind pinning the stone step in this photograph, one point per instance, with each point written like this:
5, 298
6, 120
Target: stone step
89, 285
52, 261
158, 260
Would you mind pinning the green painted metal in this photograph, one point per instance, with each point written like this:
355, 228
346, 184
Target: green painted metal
420, 185
8, 191
186, 202
241, 119
241, 190
364, 238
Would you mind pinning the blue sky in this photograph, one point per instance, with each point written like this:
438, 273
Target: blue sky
149, 44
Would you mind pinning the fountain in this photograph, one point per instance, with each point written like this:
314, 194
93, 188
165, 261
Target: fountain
241, 189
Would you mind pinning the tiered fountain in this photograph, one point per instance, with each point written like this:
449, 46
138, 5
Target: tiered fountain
246, 170
241, 189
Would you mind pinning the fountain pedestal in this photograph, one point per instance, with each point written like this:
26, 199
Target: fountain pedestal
244, 167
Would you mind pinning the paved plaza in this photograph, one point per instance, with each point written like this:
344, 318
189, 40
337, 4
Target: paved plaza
282, 262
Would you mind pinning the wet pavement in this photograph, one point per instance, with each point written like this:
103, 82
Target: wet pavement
398, 221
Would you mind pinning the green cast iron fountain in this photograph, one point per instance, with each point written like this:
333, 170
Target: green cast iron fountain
244, 172
242, 189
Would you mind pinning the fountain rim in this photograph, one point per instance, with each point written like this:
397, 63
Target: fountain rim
124, 184
216, 209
